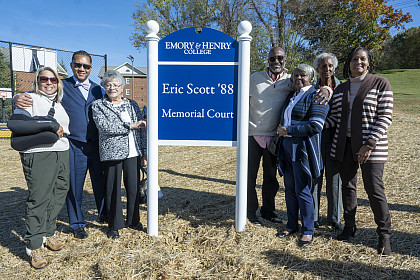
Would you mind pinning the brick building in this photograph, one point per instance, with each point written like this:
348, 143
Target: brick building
140, 81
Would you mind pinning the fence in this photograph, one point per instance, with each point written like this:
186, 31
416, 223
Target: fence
19, 62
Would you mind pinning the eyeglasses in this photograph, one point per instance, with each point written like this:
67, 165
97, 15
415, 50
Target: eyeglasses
79, 65
108, 86
44, 79
273, 58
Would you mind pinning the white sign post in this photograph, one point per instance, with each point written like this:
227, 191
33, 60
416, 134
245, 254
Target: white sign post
152, 28
244, 39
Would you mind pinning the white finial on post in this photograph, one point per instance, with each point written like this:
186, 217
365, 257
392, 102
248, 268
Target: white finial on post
244, 40
244, 28
152, 27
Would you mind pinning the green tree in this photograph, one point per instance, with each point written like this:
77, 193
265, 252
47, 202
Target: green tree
302, 27
338, 25
5, 83
173, 15
224, 15
4, 72
401, 52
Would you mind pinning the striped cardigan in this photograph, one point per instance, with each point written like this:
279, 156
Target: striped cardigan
308, 119
370, 118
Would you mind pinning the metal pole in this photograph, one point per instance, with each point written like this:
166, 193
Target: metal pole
244, 40
130, 57
152, 27
132, 76
3, 112
12, 84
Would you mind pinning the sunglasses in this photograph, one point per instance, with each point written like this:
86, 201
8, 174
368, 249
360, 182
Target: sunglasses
44, 79
274, 58
79, 65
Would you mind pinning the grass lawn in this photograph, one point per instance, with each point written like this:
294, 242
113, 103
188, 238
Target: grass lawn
406, 87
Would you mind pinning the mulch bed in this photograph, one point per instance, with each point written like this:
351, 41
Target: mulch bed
197, 237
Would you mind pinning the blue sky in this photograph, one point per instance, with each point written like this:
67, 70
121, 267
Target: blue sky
99, 27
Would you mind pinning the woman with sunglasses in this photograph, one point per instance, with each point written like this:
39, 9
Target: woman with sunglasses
122, 151
46, 170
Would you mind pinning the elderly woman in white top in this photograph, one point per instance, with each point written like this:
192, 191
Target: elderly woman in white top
121, 151
300, 157
46, 170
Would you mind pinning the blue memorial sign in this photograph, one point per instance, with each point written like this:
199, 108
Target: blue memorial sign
197, 86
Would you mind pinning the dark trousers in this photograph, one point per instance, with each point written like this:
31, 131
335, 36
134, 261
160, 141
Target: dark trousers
84, 157
270, 184
130, 168
332, 182
298, 191
374, 187
47, 177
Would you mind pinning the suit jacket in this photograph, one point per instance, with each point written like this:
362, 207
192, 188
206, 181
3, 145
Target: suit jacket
82, 127
308, 120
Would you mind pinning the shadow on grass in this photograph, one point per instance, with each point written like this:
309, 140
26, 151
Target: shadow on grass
393, 206
200, 207
13, 212
171, 172
329, 269
12, 223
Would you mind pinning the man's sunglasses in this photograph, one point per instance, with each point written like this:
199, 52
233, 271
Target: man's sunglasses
79, 65
274, 58
44, 79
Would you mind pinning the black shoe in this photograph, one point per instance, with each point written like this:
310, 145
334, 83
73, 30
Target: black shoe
337, 226
138, 227
255, 221
143, 199
273, 219
347, 233
384, 246
102, 220
113, 234
80, 233
316, 224
286, 233
302, 243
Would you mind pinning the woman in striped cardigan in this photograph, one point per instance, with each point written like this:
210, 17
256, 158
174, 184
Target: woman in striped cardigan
361, 112
300, 159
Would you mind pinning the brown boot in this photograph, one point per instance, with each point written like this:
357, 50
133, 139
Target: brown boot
384, 246
37, 258
54, 244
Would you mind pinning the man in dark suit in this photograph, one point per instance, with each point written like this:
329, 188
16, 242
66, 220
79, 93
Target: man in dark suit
78, 94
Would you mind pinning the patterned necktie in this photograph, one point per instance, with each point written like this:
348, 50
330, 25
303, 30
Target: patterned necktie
85, 86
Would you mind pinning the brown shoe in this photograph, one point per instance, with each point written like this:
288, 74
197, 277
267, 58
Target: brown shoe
54, 244
37, 258
384, 246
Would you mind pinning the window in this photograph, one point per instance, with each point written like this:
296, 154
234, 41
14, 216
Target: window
127, 92
127, 81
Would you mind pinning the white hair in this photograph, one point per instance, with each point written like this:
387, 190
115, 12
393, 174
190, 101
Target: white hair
308, 69
321, 56
112, 75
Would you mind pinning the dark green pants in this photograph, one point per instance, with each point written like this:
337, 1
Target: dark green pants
47, 176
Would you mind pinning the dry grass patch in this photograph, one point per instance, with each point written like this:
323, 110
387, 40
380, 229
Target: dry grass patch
197, 238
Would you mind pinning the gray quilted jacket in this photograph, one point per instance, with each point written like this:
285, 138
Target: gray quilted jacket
113, 131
